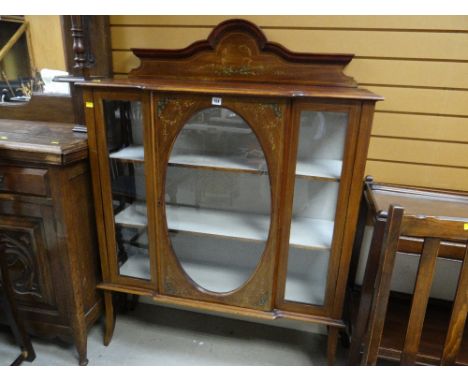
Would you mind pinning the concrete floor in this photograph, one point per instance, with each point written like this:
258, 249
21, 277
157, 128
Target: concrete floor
155, 335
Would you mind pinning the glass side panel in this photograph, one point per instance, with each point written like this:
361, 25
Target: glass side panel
124, 134
321, 143
318, 171
218, 200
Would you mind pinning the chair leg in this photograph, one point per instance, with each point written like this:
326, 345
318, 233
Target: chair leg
332, 342
382, 286
365, 299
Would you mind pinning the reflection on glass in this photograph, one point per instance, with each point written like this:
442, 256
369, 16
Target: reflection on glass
218, 200
124, 132
318, 170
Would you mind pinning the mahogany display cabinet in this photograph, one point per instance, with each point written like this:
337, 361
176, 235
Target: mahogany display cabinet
227, 178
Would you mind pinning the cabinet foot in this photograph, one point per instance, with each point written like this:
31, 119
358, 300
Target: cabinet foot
84, 361
332, 344
110, 317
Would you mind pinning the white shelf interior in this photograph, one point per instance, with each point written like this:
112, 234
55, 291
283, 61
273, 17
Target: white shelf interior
130, 153
305, 232
228, 162
138, 262
232, 128
306, 279
320, 168
241, 225
136, 154
137, 265
311, 233
212, 269
133, 216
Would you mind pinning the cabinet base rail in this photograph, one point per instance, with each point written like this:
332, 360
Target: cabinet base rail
226, 309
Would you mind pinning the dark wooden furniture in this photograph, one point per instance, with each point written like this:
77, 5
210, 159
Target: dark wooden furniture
227, 177
47, 229
432, 224
9, 309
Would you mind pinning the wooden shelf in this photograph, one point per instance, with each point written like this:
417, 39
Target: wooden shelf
133, 216
137, 265
233, 127
323, 169
305, 232
306, 279
303, 291
227, 163
237, 164
310, 233
229, 224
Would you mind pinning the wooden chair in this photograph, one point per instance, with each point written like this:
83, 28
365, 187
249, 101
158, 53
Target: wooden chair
376, 288
9, 308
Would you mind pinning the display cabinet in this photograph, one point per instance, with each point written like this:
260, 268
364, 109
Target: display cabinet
227, 177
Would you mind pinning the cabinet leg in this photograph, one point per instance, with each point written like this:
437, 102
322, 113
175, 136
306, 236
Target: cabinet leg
80, 336
332, 344
110, 317
82, 352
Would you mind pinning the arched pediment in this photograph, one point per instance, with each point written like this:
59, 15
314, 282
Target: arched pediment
237, 50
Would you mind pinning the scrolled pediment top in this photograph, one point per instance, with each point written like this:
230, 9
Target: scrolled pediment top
237, 49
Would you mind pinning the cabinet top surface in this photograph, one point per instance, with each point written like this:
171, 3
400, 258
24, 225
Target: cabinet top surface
418, 201
231, 88
41, 142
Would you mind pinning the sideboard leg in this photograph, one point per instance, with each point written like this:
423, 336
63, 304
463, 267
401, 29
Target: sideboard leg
332, 344
110, 317
82, 354
80, 335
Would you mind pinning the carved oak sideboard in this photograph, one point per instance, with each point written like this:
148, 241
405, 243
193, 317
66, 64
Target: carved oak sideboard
47, 228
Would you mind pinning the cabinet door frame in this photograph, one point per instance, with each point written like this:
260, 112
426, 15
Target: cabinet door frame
353, 108
257, 292
112, 274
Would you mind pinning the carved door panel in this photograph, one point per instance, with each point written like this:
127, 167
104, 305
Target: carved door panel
22, 241
219, 161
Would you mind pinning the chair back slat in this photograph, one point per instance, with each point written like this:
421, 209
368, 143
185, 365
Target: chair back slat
458, 318
434, 231
420, 299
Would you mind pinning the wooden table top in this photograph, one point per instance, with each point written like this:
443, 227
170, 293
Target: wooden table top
41, 142
418, 201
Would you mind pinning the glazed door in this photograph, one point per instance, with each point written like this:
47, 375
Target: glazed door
320, 166
219, 161
125, 155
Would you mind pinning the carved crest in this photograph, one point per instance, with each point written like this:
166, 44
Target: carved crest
237, 50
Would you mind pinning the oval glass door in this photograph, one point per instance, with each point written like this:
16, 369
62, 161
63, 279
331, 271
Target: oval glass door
218, 200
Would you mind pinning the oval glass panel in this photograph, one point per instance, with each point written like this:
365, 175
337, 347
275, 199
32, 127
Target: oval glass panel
218, 199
